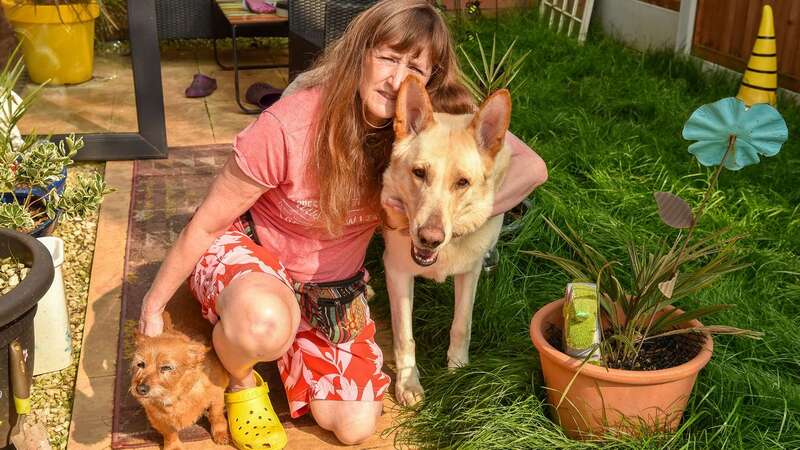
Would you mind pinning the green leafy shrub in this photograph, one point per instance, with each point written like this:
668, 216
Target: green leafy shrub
33, 164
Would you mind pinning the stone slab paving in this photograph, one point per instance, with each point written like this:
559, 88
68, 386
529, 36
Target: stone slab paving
155, 199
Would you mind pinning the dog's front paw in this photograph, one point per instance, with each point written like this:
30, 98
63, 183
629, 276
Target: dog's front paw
410, 394
220, 437
453, 364
173, 445
458, 352
454, 360
408, 389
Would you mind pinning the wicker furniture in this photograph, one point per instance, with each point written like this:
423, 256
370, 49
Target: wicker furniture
187, 19
241, 20
313, 24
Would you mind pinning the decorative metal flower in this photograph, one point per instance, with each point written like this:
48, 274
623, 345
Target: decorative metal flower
729, 129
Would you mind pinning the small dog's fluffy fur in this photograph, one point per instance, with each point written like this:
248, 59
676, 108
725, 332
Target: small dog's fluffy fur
177, 378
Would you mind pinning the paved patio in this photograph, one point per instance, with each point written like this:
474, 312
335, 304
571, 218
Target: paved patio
106, 103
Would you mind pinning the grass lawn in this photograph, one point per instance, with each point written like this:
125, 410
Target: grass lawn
608, 121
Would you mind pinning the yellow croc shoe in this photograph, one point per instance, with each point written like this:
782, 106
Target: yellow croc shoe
252, 420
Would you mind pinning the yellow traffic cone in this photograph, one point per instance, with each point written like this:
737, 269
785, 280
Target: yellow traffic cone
760, 80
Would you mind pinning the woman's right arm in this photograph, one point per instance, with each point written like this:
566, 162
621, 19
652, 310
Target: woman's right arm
231, 194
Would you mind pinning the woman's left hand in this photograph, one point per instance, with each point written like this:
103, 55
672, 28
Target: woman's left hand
526, 171
395, 217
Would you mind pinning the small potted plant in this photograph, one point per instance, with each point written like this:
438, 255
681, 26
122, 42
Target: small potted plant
57, 37
26, 272
639, 354
33, 170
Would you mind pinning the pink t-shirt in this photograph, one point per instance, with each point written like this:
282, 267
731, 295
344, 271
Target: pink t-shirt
275, 151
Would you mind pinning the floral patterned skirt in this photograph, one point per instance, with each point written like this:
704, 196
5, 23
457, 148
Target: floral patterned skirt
314, 368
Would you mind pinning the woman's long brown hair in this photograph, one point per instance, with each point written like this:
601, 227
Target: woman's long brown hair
349, 155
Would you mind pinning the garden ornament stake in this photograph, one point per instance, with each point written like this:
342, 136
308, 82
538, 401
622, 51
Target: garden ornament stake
761, 77
582, 322
731, 133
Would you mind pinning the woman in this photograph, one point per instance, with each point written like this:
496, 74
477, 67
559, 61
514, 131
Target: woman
307, 173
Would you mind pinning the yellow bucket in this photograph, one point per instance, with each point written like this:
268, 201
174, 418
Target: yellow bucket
57, 41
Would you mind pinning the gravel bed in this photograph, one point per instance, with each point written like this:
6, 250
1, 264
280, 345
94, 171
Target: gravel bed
12, 273
52, 393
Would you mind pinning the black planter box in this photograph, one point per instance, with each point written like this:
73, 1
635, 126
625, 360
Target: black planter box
17, 309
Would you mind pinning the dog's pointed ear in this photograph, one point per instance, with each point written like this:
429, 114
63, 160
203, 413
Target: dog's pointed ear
196, 351
491, 122
413, 111
138, 338
169, 325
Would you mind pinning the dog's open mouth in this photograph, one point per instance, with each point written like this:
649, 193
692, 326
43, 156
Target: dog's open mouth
423, 257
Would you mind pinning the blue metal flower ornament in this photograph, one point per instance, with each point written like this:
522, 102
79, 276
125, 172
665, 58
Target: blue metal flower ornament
729, 129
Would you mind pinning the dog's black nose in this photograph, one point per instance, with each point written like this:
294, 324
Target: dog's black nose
142, 389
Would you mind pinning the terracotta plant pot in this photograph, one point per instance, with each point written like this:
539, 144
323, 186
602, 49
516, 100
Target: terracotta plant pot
602, 400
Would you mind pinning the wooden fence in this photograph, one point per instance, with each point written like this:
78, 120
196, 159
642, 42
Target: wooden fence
725, 31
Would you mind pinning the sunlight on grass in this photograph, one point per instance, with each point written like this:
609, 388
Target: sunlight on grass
608, 120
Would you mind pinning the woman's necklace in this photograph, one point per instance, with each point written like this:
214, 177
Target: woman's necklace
370, 124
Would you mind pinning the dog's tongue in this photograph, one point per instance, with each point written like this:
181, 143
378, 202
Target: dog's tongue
423, 257
424, 254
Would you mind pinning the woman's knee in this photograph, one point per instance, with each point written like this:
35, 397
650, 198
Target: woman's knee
355, 433
356, 426
352, 422
259, 312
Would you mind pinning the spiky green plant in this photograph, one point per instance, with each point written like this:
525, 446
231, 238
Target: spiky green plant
491, 74
33, 164
112, 24
633, 295
730, 135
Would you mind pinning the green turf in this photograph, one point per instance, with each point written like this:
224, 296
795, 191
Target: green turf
608, 120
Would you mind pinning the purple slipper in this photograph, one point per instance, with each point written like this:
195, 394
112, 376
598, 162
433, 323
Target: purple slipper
262, 95
201, 86
258, 6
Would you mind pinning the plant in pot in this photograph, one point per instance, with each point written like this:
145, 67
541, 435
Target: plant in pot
57, 37
640, 356
32, 171
26, 273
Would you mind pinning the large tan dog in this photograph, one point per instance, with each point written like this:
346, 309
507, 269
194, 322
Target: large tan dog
444, 172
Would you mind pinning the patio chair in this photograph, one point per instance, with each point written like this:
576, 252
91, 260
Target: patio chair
187, 19
313, 24
215, 19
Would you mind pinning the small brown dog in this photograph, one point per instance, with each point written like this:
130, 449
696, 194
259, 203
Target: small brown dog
177, 378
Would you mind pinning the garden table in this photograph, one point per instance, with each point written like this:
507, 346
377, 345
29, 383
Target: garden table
244, 22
